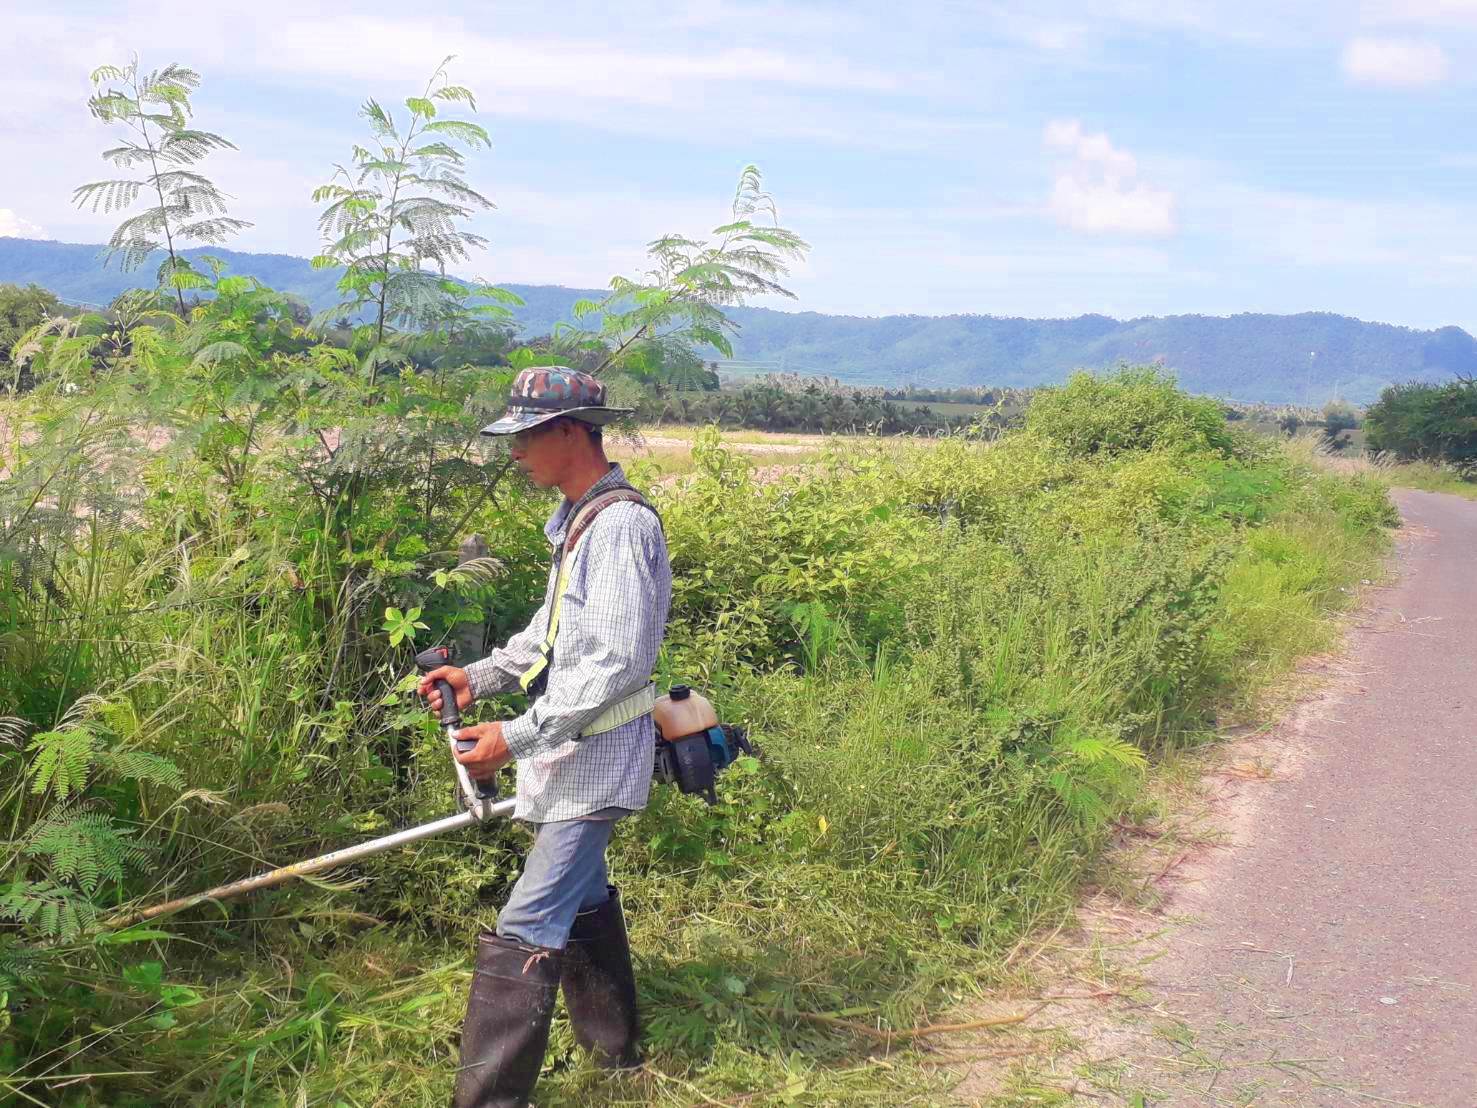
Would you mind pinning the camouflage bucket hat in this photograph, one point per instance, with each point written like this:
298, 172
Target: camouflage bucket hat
542, 393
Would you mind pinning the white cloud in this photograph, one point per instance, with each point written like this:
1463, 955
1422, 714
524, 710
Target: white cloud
13, 226
1394, 62
513, 69
1099, 190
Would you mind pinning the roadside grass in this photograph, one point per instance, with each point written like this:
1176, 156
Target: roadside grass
1431, 478
960, 662
1427, 476
1285, 599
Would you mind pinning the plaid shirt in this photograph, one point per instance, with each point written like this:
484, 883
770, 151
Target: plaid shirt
610, 630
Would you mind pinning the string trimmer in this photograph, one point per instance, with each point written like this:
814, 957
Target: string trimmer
690, 761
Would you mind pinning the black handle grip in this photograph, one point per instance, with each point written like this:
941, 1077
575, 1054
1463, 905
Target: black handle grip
451, 715
486, 790
435, 658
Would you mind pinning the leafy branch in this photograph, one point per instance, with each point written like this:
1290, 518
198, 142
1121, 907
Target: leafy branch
154, 110
395, 208
678, 303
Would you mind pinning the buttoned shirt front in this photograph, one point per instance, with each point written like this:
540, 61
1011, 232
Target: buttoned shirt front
611, 623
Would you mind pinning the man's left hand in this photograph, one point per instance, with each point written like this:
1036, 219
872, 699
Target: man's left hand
489, 755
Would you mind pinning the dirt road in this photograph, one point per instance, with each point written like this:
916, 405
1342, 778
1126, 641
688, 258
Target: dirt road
1329, 955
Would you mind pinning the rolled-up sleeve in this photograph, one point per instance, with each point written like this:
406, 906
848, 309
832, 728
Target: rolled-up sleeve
611, 624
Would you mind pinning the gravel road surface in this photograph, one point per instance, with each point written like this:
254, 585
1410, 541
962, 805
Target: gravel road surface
1330, 956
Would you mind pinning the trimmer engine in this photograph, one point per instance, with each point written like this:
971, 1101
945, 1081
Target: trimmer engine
692, 747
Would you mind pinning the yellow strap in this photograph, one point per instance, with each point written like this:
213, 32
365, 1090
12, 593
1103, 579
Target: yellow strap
546, 649
574, 529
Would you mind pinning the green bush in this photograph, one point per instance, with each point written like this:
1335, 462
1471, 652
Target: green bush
1427, 423
1133, 409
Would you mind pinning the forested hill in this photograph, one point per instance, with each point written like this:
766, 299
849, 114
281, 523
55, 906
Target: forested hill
1302, 358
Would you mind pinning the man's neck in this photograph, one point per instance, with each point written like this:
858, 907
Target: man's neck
578, 483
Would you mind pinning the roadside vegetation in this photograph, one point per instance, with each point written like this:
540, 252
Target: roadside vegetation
225, 529
957, 658
1432, 428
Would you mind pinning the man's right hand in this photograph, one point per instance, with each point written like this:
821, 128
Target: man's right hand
453, 676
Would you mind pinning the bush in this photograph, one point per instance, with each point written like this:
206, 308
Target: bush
1133, 409
1427, 423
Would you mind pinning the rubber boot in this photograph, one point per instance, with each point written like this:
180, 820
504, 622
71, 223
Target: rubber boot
600, 987
507, 1025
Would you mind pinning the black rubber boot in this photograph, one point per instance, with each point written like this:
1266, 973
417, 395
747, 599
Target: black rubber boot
507, 1025
600, 987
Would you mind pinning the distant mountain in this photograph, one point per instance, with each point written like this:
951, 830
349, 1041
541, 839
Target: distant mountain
1304, 358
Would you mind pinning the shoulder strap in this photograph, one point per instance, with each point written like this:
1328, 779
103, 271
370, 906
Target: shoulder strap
586, 515
536, 677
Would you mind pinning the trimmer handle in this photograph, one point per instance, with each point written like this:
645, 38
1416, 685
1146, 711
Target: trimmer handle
435, 658
451, 720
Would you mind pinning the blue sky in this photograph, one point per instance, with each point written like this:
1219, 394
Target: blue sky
1039, 159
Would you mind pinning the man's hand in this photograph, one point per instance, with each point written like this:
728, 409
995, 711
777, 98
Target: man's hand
453, 676
489, 755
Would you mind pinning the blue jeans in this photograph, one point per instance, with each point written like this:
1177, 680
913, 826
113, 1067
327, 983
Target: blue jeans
563, 874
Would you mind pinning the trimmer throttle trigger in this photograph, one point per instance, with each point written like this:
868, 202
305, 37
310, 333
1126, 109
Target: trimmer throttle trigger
435, 658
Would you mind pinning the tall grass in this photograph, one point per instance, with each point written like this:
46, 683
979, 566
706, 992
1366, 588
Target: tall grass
958, 660
1428, 476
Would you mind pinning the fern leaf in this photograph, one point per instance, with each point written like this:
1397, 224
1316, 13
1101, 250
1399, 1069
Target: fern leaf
86, 848
62, 761
139, 766
54, 910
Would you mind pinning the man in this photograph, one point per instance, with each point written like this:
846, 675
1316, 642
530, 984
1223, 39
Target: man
584, 747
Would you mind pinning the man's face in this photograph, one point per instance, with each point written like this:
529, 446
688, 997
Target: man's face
542, 453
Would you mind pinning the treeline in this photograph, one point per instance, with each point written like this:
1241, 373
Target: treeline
770, 408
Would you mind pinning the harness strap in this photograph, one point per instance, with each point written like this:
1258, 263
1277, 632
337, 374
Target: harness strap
622, 712
536, 677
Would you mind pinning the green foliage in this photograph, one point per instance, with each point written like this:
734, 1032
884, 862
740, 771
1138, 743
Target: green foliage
85, 848
679, 303
62, 761
22, 310
394, 209
1131, 409
1427, 423
771, 408
52, 910
159, 141
1337, 417
955, 656
402, 626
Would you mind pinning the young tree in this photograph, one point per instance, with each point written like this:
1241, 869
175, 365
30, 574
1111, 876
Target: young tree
154, 109
679, 303
395, 209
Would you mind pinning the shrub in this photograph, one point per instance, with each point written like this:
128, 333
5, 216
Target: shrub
1136, 408
1429, 423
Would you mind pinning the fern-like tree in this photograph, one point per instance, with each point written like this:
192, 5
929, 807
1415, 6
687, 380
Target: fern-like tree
396, 210
677, 305
159, 143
